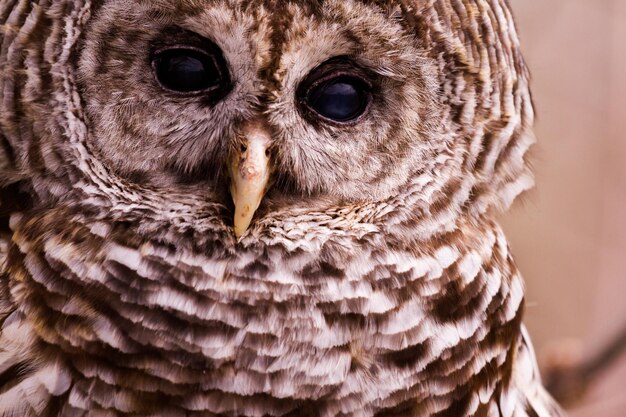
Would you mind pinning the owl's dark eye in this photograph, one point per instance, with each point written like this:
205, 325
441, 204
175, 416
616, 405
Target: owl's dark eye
189, 70
340, 99
338, 92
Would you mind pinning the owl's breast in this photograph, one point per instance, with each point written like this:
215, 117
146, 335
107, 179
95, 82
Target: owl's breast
266, 329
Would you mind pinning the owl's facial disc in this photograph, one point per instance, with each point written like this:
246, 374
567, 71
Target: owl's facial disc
250, 172
353, 108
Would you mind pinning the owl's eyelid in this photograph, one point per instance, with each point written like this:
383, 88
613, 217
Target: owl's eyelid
331, 75
338, 66
181, 46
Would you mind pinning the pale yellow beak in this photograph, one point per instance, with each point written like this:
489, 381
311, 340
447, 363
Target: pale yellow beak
250, 174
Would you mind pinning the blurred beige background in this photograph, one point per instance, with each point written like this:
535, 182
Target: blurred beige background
569, 236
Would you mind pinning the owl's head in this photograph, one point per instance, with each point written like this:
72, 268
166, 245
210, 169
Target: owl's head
274, 107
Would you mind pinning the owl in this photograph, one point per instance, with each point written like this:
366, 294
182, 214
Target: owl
262, 208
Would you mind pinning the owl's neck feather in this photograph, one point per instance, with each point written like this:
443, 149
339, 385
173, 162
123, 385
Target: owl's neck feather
372, 318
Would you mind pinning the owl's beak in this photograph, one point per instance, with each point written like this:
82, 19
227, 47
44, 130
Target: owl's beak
250, 173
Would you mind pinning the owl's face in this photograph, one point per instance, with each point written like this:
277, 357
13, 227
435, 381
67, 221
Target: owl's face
333, 102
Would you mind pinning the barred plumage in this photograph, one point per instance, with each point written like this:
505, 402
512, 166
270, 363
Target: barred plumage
374, 279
